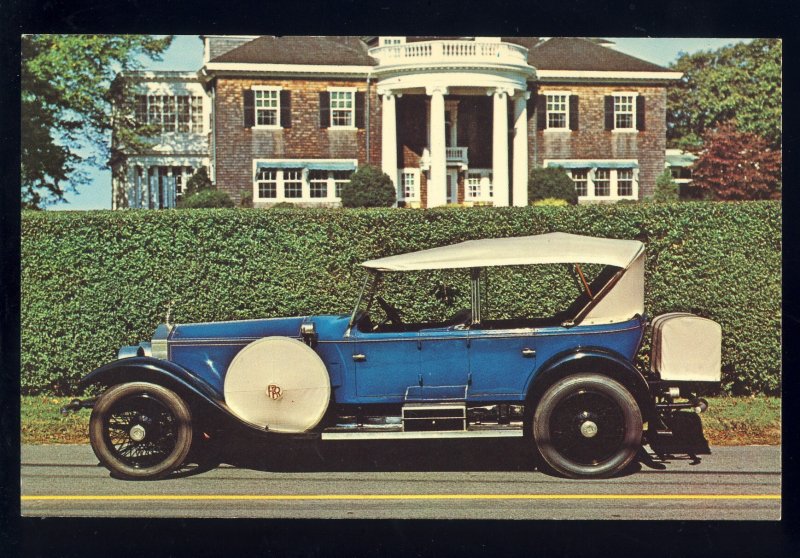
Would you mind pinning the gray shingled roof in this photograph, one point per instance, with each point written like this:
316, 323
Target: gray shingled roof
558, 53
575, 53
294, 49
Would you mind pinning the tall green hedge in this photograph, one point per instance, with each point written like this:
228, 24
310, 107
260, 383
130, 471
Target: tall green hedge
93, 281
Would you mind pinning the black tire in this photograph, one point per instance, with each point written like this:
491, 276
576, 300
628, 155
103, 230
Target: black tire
587, 426
126, 412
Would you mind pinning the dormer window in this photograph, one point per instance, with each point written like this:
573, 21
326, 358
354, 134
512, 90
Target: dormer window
390, 41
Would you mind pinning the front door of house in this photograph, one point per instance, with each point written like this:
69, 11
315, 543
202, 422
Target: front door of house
452, 186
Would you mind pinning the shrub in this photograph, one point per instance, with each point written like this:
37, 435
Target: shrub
246, 200
666, 188
369, 187
198, 182
552, 202
551, 182
284, 205
206, 199
92, 281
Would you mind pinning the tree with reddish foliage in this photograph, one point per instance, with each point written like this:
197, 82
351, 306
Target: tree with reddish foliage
736, 165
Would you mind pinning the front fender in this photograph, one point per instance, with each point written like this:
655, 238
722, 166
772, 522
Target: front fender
150, 369
593, 359
200, 395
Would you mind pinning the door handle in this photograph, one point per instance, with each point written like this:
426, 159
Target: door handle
528, 353
359, 357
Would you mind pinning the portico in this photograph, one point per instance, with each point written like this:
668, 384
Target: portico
441, 70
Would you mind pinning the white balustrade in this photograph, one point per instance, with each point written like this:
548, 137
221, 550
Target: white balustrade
450, 51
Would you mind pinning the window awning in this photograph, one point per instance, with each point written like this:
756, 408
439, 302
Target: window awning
594, 164
310, 165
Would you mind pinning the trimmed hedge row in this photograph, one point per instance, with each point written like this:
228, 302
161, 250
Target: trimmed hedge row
93, 281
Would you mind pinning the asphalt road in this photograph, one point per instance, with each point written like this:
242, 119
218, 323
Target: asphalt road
479, 479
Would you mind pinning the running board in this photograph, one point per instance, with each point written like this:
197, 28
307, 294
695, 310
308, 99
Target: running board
355, 434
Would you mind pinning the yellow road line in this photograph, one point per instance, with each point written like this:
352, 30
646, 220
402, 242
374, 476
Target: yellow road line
121, 497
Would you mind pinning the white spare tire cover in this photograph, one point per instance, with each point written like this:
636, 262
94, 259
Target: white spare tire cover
278, 383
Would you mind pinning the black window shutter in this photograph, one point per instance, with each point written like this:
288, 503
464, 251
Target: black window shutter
360, 103
324, 109
249, 108
541, 112
286, 109
640, 112
609, 103
573, 112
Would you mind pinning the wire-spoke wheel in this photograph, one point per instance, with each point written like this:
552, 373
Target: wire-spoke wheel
140, 430
587, 425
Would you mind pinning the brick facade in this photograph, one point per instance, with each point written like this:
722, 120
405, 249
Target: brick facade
237, 146
593, 141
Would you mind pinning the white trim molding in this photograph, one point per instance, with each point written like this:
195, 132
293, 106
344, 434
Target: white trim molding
602, 75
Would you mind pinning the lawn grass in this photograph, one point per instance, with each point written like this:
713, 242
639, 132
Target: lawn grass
729, 421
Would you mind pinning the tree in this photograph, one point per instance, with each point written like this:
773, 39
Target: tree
737, 165
551, 182
741, 82
198, 182
369, 187
68, 83
666, 188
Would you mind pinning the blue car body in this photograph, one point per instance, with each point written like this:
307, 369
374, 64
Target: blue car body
437, 360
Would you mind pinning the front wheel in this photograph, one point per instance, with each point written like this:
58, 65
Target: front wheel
587, 426
140, 430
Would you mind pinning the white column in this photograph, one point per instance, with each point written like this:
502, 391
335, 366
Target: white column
169, 189
519, 165
437, 185
500, 148
389, 137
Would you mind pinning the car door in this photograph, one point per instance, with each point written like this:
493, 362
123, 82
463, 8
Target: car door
444, 367
501, 360
386, 363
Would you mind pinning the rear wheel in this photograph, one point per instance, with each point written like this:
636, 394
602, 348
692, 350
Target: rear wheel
587, 426
140, 430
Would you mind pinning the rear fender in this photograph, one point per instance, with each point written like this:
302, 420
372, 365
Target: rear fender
598, 360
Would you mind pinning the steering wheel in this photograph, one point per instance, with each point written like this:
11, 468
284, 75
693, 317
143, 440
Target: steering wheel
392, 314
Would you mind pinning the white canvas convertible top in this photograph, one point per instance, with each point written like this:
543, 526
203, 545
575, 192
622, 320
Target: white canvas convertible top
550, 248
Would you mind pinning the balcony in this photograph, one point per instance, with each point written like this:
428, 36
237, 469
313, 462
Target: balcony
454, 155
435, 53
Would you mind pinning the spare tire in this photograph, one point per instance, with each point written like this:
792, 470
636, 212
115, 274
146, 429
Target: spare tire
279, 384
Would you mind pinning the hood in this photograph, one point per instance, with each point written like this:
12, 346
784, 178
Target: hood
239, 330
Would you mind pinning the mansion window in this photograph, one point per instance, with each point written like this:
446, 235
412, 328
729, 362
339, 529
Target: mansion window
602, 181
293, 183
342, 108
625, 182
410, 187
170, 113
581, 179
479, 185
557, 111
267, 106
624, 112
298, 184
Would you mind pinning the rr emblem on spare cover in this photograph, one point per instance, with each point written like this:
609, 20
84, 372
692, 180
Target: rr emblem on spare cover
274, 392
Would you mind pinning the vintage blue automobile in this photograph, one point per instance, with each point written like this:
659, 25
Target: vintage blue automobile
567, 381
